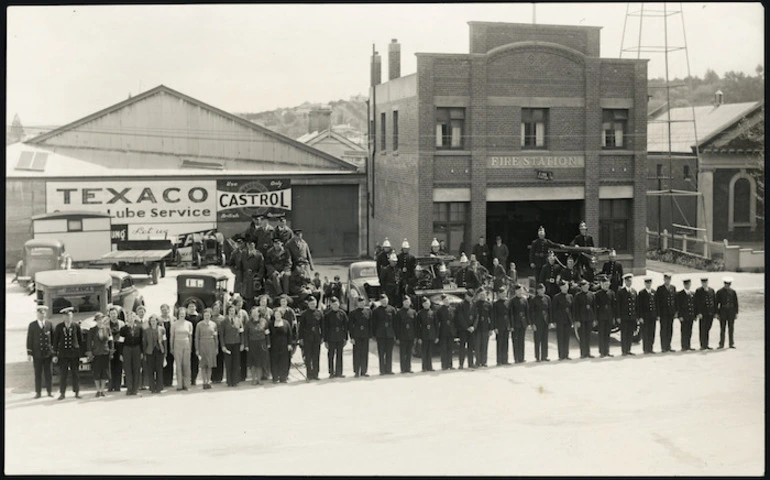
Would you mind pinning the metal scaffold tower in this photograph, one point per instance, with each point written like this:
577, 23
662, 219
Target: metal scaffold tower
648, 41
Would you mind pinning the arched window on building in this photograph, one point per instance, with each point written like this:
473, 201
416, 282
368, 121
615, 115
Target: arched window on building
742, 206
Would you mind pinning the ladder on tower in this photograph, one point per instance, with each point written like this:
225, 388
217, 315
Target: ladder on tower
653, 49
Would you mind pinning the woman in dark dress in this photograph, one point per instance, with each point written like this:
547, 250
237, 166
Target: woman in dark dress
281, 338
255, 339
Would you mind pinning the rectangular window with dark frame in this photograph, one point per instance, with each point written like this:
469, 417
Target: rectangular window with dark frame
615, 224
534, 124
450, 126
383, 130
450, 220
395, 130
614, 124
75, 225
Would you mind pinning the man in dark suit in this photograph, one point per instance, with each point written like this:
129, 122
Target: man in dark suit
481, 250
665, 298
562, 317
334, 330
605, 314
384, 328
727, 311
446, 332
501, 325
539, 251
583, 240
626, 314
389, 279
406, 263
647, 311
406, 319
360, 332
540, 317
310, 337
550, 275
685, 307
705, 306
67, 348
464, 327
39, 350
585, 317
518, 315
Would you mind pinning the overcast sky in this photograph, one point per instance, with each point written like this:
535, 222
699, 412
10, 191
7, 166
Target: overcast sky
66, 62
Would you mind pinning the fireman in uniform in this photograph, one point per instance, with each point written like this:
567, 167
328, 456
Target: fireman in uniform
518, 309
665, 297
626, 314
550, 275
614, 270
428, 331
382, 258
445, 315
434, 248
571, 274
540, 316
705, 306
465, 328
462, 272
648, 314
501, 325
383, 326
405, 332
686, 311
562, 316
539, 251
406, 264
389, 279
360, 333
334, 330
482, 323
582, 240
66, 352
727, 309
310, 336
585, 317
605, 314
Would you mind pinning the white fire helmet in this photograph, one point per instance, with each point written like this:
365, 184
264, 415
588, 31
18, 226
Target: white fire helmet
386, 243
442, 268
434, 243
463, 258
405, 244
392, 257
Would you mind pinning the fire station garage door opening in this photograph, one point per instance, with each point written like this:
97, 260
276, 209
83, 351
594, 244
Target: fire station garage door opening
517, 224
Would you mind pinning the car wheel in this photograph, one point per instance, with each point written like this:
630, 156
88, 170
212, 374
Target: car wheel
155, 273
196, 260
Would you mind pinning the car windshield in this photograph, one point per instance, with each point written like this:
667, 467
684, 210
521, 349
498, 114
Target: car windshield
363, 271
40, 252
81, 303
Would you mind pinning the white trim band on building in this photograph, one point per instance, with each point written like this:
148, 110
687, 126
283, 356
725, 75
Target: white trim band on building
616, 191
462, 194
526, 194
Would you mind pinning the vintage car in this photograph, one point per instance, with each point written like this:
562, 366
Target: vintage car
362, 282
87, 291
41, 255
200, 249
202, 289
124, 292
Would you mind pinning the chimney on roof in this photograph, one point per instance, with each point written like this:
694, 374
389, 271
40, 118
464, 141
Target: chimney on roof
376, 68
394, 59
719, 98
319, 119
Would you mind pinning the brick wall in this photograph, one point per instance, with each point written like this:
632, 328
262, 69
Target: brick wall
486, 36
535, 72
616, 169
451, 169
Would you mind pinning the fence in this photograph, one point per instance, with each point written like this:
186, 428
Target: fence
734, 257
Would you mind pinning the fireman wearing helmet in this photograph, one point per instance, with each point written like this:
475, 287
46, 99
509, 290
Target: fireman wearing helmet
406, 264
434, 248
382, 258
389, 279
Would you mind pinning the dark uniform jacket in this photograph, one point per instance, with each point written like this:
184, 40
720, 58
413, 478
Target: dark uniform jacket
251, 233
571, 274
361, 323
727, 303
235, 261
334, 327
40, 340
299, 251
562, 308
384, 322
482, 254
405, 324
500, 320
382, 262
626, 305
252, 269
264, 238
685, 305
665, 298
585, 307
482, 316
406, 265
549, 275
277, 260
705, 301
581, 240
518, 313
647, 308
463, 318
427, 325
446, 321
614, 270
310, 325
389, 279
605, 305
284, 234
540, 310
539, 250
67, 340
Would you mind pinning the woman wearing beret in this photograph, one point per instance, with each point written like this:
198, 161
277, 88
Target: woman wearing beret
207, 346
255, 340
100, 347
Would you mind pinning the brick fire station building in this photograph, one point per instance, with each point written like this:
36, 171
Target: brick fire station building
531, 127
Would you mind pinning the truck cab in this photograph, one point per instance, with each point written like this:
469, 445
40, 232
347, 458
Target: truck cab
41, 255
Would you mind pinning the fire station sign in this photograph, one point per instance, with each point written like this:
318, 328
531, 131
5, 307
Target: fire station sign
238, 200
536, 161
